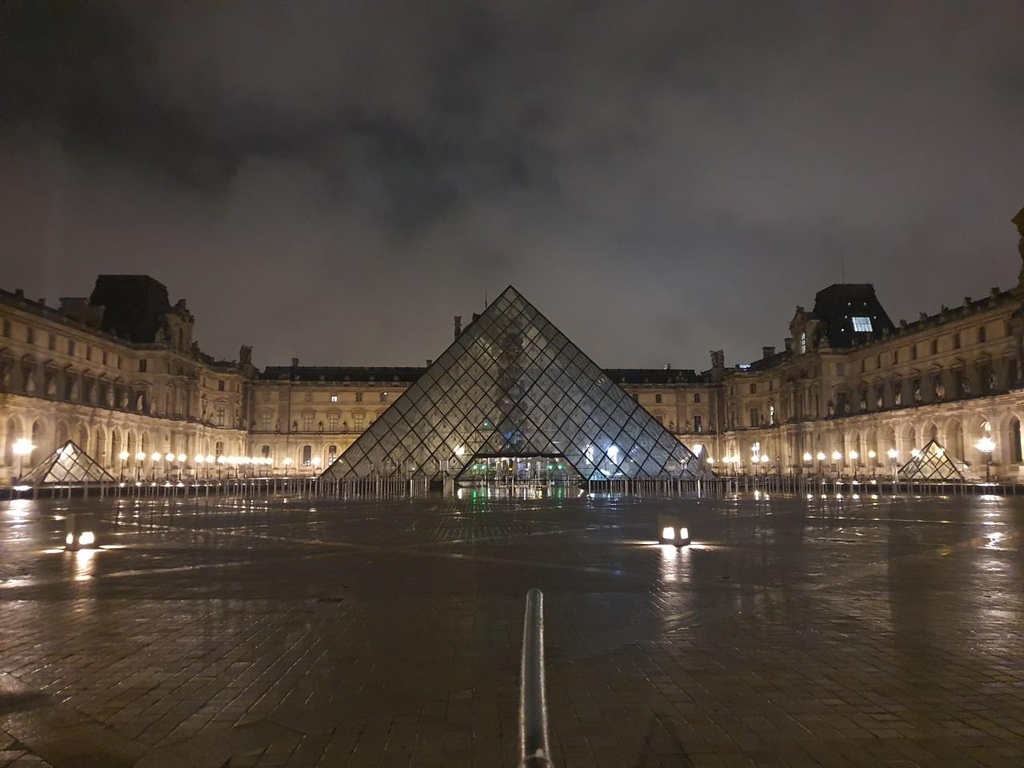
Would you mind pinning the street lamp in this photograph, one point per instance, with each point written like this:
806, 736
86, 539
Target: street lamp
139, 458
156, 456
986, 445
820, 457
853, 460
22, 448
892, 453
871, 458
123, 456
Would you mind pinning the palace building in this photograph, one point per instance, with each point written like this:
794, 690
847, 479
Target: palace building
120, 374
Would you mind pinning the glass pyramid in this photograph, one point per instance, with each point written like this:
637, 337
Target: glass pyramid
931, 464
511, 385
68, 464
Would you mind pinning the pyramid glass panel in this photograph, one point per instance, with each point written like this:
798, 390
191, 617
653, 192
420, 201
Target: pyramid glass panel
932, 463
513, 385
68, 464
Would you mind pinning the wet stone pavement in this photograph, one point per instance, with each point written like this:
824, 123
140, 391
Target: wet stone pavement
793, 632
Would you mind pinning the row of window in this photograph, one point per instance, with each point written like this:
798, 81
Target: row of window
310, 423
71, 345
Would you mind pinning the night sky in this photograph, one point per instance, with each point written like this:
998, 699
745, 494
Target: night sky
334, 180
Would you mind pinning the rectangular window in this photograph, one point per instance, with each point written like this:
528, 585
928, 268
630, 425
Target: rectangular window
981, 334
265, 418
52, 342
935, 346
358, 419
307, 422
221, 417
143, 365
30, 335
359, 397
88, 352
861, 324
696, 397
753, 389
334, 398
803, 343
698, 425
913, 351
332, 422
956, 341
753, 417
71, 347
104, 357
220, 385
657, 398
895, 356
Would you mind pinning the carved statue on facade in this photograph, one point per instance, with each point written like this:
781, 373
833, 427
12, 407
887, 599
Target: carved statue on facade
898, 398
940, 391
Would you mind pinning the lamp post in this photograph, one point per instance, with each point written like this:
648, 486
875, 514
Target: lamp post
820, 457
986, 445
139, 458
22, 448
893, 454
123, 456
836, 458
853, 460
182, 458
871, 458
156, 458
287, 464
808, 458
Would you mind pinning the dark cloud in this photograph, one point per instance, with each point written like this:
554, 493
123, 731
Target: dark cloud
335, 180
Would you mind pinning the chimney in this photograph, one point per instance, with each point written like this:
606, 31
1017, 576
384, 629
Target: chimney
295, 362
458, 325
789, 343
768, 352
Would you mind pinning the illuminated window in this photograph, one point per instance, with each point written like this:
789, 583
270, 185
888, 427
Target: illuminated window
862, 324
803, 343
334, 398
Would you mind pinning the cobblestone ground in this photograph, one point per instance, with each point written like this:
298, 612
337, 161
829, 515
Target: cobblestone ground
794, 632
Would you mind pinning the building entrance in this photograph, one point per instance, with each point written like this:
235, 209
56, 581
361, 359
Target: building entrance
518, 470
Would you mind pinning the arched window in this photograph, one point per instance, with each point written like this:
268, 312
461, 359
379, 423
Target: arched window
307, 455
1015, 446
265, 451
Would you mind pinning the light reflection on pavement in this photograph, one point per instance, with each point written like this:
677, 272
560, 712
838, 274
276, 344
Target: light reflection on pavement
794, 631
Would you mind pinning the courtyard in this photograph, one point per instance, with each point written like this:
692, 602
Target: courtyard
794, 631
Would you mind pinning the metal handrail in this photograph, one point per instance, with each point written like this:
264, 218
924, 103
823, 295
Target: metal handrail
534, 750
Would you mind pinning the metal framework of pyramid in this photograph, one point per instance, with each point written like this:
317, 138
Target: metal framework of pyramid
67, 465
510, 385
931, 463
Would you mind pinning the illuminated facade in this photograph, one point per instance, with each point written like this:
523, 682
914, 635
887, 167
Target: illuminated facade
119, 374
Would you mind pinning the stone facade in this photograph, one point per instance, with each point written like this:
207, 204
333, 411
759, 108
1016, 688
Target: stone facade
837, 391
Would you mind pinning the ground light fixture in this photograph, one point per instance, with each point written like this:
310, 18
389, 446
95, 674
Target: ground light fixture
671, 530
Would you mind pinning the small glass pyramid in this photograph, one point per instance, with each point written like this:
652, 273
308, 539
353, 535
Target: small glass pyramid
931, 463
512, 385
68, 464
